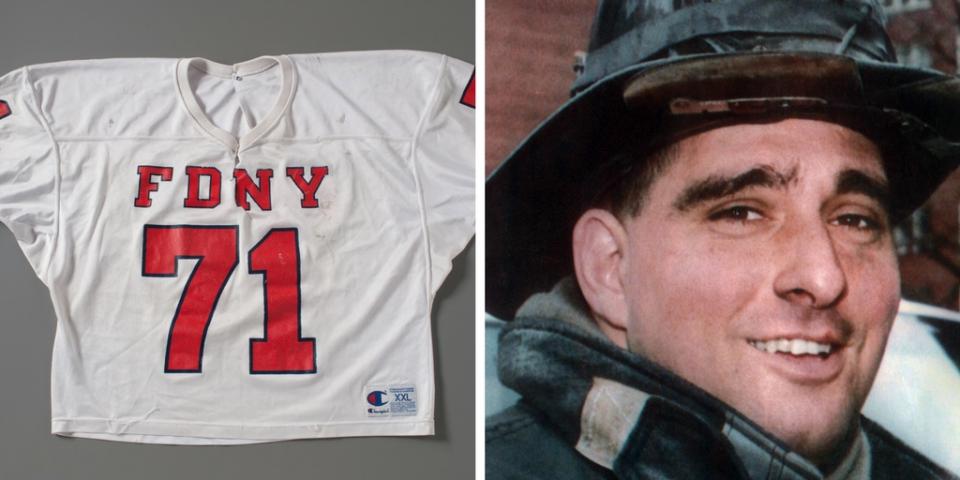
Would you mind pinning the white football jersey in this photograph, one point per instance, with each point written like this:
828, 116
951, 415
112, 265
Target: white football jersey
240, 253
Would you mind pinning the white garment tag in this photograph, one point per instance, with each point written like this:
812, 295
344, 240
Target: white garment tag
398, 400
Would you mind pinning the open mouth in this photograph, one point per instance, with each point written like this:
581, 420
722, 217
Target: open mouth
793, 346
802, 361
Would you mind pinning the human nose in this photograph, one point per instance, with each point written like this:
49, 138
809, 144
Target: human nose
812, 273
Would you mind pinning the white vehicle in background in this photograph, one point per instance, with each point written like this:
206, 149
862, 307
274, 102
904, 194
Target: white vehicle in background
916, 394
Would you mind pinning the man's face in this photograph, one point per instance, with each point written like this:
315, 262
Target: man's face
761, 268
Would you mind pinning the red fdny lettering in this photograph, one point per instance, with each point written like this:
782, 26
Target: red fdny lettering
308, 189
147, 184
193, 199
204, 186
259, 193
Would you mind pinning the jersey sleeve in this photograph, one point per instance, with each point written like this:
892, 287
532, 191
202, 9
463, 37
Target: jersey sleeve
28, 171
445, 164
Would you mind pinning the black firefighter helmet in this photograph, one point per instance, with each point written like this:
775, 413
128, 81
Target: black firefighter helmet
660, 69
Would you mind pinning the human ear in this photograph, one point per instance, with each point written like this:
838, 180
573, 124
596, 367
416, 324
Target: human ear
599, 240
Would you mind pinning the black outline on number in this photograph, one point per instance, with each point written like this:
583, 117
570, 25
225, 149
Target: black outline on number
186, 288
300, 338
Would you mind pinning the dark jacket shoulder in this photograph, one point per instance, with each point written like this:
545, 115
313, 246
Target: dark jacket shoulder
521, 445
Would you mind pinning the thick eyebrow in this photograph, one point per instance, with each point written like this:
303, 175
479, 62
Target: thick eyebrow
716, 186
858, 181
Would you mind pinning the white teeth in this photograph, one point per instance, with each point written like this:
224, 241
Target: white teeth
792, 346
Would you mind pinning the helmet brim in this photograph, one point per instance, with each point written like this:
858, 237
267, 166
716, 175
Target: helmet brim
534, 197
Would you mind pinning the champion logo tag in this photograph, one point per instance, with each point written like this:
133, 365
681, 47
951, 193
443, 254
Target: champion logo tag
390, 400
4, 109
377, 398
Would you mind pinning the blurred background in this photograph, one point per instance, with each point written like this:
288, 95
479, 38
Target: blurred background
524, 85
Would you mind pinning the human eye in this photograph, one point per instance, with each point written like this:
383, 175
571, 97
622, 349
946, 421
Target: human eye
735, 213
858, 222
861, 225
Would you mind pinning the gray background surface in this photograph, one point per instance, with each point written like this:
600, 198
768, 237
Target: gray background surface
41, 31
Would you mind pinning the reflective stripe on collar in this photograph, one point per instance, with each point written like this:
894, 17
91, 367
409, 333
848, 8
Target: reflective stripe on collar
610, 412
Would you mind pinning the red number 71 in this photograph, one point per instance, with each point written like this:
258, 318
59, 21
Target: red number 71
276, 257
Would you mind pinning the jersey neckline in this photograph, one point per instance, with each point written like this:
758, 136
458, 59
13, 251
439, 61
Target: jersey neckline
288, 80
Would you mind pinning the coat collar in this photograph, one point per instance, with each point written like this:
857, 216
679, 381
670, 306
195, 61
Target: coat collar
622, 411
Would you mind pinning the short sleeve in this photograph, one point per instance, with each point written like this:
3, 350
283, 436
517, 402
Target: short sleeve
28, 171
445, 164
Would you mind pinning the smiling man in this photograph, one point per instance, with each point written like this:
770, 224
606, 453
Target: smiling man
697, 249
761, 268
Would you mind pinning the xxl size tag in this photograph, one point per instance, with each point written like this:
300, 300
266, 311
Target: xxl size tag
398, 400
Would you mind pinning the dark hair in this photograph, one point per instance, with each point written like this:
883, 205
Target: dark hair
625, 183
